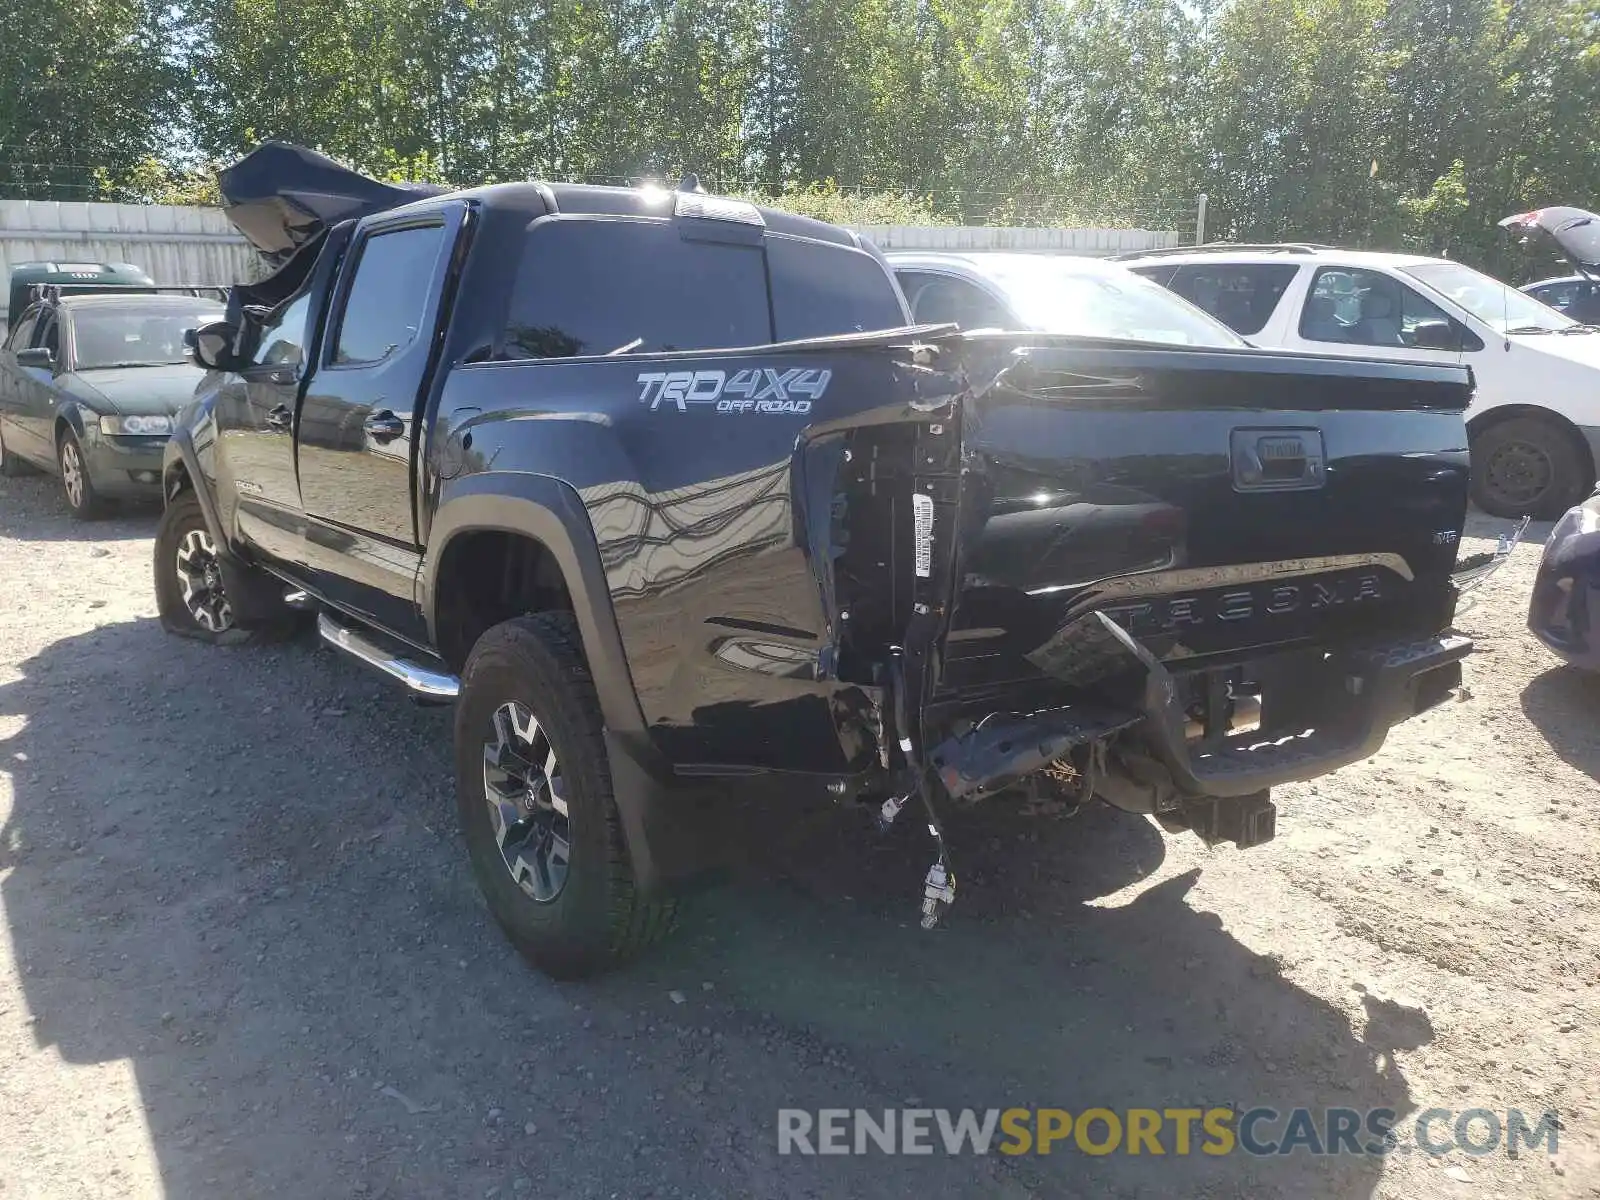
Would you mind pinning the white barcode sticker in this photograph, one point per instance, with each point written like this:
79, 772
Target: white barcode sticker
922, 521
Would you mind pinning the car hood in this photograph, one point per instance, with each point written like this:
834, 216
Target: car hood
1575, 230
281, 196
136, 390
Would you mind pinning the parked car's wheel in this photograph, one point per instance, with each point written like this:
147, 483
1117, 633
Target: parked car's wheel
10, 464
534, 788
76, 485
1528, 465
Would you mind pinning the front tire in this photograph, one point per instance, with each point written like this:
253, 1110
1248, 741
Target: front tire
1529, 466
76, 486
190, 596
533, 785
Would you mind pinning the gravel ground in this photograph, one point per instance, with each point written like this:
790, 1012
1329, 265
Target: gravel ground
241, 954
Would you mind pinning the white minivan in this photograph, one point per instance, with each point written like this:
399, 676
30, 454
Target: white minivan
1534, 425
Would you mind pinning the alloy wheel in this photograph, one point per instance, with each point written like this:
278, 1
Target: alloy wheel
200, 579
72, 473
524, 790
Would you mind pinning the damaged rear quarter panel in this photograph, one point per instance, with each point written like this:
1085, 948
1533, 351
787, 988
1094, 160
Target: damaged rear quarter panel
708, 480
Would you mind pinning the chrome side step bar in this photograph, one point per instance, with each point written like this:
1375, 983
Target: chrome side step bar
425, 683
1472, 571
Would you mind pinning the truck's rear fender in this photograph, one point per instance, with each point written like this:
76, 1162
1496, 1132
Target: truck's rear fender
550, 515
674, 826
711, 509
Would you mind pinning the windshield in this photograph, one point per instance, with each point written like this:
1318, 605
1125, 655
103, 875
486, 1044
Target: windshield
1498, 305
1059, 296
134, 335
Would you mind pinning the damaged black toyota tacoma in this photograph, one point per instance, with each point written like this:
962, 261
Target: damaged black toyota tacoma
665, 494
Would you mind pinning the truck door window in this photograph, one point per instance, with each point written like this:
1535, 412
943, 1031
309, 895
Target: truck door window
819, 289
283, 338
384, 307
1242, 296
594, 287
1359, 307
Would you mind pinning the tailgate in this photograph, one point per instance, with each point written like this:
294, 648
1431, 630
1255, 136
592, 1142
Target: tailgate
1210, 502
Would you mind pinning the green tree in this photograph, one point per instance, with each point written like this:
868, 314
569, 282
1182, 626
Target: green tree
87, 90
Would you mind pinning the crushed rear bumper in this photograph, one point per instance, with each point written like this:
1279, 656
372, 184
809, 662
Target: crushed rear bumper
1566, 591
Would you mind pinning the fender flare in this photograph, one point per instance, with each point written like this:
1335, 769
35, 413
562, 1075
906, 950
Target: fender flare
670, 839
182, 444
550, 512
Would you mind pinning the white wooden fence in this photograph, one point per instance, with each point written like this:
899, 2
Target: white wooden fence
175, 245
197, 245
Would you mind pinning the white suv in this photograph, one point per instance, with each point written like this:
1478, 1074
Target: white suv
1535, 422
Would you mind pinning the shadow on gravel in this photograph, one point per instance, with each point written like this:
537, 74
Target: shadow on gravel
32, 509
239, 869
1561, 703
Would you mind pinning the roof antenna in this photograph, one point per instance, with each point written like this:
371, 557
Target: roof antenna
690, 183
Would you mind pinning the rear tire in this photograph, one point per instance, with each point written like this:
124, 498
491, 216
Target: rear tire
82, 500
1529, 466
528, 746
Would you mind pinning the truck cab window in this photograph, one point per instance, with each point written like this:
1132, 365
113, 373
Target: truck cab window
819, 289
282, 340
384, 307
594, 287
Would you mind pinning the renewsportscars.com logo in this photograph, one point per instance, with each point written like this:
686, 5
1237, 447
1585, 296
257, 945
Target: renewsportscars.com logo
1179, 1132
753, 390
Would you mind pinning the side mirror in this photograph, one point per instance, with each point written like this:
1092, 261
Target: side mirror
36, 356
1436, 335
211, 346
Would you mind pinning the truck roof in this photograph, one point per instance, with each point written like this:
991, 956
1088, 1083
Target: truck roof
582, 199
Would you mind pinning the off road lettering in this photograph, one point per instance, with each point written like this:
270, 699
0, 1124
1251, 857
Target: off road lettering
763, 390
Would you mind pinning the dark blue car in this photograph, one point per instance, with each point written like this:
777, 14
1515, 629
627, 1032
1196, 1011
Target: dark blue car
1563, 606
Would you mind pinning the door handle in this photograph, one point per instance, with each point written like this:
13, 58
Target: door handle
384, 426
280, 417
284, 375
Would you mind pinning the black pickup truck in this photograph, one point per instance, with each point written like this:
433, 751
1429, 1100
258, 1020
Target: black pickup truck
663, 492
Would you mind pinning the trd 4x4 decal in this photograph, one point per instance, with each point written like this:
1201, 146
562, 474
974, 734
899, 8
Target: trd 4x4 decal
755, 389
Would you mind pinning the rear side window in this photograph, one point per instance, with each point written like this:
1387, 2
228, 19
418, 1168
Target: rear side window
945, 300
595, 287
383, 312
820, 289
1240, 295
1161, 274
